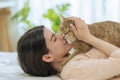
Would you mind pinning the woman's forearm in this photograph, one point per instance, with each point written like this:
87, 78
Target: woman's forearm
103, 46
81, 31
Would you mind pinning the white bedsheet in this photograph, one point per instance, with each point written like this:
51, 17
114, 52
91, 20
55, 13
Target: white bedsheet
10, 70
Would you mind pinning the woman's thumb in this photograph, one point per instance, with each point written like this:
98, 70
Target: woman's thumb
73, 28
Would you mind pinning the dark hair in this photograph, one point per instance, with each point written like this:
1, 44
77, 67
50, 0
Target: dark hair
31, 47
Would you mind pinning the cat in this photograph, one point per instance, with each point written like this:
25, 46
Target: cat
106, 30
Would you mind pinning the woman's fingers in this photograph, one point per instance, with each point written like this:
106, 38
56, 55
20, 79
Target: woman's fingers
80, 28
74, 29
77, 21
74, 18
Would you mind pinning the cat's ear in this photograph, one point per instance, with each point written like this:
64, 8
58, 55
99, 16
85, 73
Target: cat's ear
62, 18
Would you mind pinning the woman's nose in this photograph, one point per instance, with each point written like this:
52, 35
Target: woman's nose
61, 36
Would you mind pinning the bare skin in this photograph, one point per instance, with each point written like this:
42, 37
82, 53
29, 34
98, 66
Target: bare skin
82, 33
58, 46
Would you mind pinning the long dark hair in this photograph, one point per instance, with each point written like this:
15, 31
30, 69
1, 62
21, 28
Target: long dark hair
31, 47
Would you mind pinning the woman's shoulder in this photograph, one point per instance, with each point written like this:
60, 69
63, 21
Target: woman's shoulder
71, 67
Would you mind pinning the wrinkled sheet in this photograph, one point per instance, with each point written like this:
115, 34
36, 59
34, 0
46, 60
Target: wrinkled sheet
10, 70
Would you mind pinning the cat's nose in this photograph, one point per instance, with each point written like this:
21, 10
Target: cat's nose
60, 36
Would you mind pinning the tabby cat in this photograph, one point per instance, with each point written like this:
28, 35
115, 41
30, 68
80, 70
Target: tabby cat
107, 30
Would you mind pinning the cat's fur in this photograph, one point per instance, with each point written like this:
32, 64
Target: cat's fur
107, 30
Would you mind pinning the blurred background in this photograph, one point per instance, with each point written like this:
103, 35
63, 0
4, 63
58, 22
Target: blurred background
18, 16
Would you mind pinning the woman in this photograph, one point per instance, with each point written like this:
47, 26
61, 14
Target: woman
41, 53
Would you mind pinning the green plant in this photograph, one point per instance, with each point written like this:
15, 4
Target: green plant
22, 15
53, 14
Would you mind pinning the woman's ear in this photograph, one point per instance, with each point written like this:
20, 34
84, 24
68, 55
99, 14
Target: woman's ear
47, 58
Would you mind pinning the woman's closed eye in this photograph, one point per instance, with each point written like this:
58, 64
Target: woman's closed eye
55, 39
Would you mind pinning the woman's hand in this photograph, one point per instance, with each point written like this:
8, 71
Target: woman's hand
81, 31
80, 28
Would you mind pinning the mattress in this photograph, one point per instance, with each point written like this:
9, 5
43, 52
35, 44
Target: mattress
10, 69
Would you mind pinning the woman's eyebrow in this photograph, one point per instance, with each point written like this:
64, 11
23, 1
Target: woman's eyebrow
51, 37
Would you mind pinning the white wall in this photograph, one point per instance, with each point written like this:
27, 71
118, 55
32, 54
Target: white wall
89, 10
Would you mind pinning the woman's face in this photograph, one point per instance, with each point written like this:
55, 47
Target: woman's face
57, 45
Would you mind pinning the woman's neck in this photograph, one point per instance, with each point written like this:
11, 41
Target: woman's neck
57, 66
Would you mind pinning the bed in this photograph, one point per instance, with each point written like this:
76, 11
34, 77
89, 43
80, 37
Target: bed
10, 70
